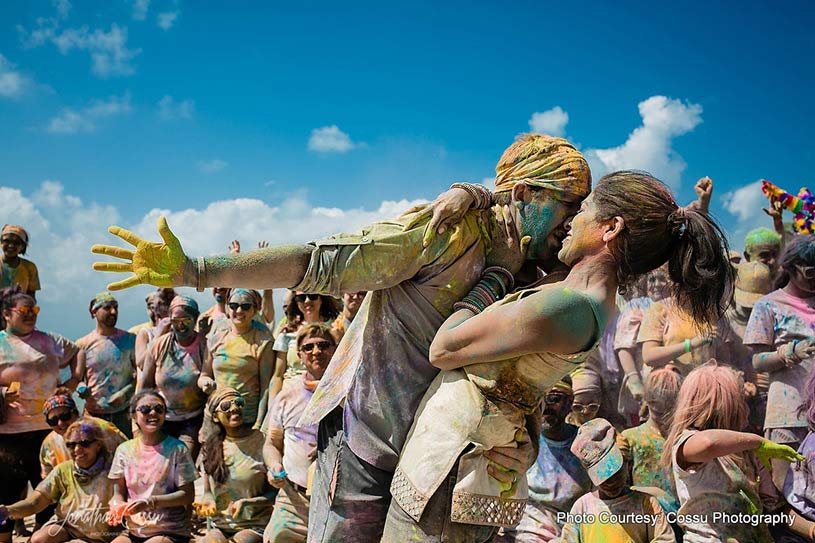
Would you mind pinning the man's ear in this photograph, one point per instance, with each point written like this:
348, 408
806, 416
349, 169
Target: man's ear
521, 192
614, 228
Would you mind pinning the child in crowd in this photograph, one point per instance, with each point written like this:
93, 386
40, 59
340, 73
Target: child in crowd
717, 467
153, 477
799, 486
645, 443
763, 245
592, 518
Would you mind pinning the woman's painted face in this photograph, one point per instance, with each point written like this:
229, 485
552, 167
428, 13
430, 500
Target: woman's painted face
84, 448
60, 418
316, 353
241, 310
12, 245
150, 412
803, 277
22, 318
230, 413
583, 233
183, 323
308, 303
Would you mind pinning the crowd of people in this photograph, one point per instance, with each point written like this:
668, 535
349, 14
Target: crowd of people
546, 361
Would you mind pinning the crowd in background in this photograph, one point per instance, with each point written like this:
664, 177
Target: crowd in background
217, 395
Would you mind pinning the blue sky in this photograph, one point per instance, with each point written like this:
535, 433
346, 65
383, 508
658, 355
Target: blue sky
112, 110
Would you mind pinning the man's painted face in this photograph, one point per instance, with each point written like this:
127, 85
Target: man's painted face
767, 254
316, 353
556, 406
543, 220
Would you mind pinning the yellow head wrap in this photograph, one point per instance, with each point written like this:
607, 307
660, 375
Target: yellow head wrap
545, 162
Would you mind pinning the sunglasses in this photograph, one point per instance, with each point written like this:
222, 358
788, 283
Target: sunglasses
147, 409
181, 321
552, 399
322, 345
302, 297
85, 443
11, 241
226, 405
26, 309
65, 417
583, 409
234, 306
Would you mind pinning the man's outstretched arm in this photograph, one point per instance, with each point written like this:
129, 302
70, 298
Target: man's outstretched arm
165, 264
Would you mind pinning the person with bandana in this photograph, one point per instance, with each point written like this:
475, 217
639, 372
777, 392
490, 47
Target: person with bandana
60, 413
15, 270
290, 447
172, 366
241, 356
107, 365
414, 268
237, 497
79, 487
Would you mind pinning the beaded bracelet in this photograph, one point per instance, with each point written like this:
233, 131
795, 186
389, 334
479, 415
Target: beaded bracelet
480, 193
494, 284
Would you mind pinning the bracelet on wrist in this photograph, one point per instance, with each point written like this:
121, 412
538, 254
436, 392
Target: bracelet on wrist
202, 268
688, 346
480, 194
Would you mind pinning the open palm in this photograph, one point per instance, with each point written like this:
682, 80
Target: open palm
152, 263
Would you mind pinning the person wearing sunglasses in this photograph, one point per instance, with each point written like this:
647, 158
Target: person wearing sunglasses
241, 357
107, 364
237, 497
32, 359
15, 270
79, 487
290, 448
557, 478
173, 366
153, 479
304, 309
60, 413
781, 334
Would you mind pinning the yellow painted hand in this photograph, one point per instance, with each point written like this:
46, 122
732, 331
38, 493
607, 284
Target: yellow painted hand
159, 264
768, 450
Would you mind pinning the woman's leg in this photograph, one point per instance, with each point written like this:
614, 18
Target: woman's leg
52, 532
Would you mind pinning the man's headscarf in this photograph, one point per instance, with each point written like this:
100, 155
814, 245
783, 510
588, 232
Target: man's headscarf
544, 162
185, 302
101, 299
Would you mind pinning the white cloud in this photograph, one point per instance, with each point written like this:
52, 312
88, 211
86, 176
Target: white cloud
109, 53
330, 139
211, 166
166, 20
63, 228
71, 121
552, 122
63, 8
169, 109
745, 202
140, 8
649, 147
12, 82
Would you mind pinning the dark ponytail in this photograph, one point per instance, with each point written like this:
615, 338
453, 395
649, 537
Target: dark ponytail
658, 231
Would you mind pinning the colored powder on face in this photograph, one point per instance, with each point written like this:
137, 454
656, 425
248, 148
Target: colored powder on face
761, 237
